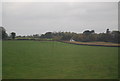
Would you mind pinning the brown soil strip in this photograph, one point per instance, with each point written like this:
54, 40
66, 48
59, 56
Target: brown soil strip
107, 44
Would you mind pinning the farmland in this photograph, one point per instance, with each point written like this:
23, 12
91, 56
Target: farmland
57, 60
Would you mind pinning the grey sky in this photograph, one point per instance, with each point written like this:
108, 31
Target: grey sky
0, 13
26, 18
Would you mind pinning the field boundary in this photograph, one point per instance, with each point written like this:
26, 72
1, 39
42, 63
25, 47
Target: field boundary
79, 43
105, 44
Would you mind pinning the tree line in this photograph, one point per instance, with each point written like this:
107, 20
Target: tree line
86, 36
4, 35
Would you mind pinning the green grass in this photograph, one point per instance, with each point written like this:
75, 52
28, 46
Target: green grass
0, 59
56, 60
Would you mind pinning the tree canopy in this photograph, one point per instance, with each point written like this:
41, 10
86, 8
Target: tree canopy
13, 34
3, 34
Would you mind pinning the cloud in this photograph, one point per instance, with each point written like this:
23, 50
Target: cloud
60, 0
0, 14
50, 16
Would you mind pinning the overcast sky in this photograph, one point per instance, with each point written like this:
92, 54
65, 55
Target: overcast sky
26, 18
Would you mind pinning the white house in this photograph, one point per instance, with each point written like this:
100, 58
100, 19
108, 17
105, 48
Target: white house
71, 40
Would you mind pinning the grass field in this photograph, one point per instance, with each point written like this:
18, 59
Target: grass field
56, 60
0, 59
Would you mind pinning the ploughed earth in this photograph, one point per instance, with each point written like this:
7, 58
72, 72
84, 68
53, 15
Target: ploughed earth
94, 43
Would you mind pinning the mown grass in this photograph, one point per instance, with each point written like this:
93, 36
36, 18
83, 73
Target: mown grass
0, 59
56, 60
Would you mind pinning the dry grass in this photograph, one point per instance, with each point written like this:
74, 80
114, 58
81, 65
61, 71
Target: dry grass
94, 43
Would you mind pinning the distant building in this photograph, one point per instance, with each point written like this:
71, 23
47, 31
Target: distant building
71, 40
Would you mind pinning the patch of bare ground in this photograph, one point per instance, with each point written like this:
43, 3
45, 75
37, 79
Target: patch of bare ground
94, 43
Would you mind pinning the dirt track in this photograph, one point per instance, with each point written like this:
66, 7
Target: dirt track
106, 44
